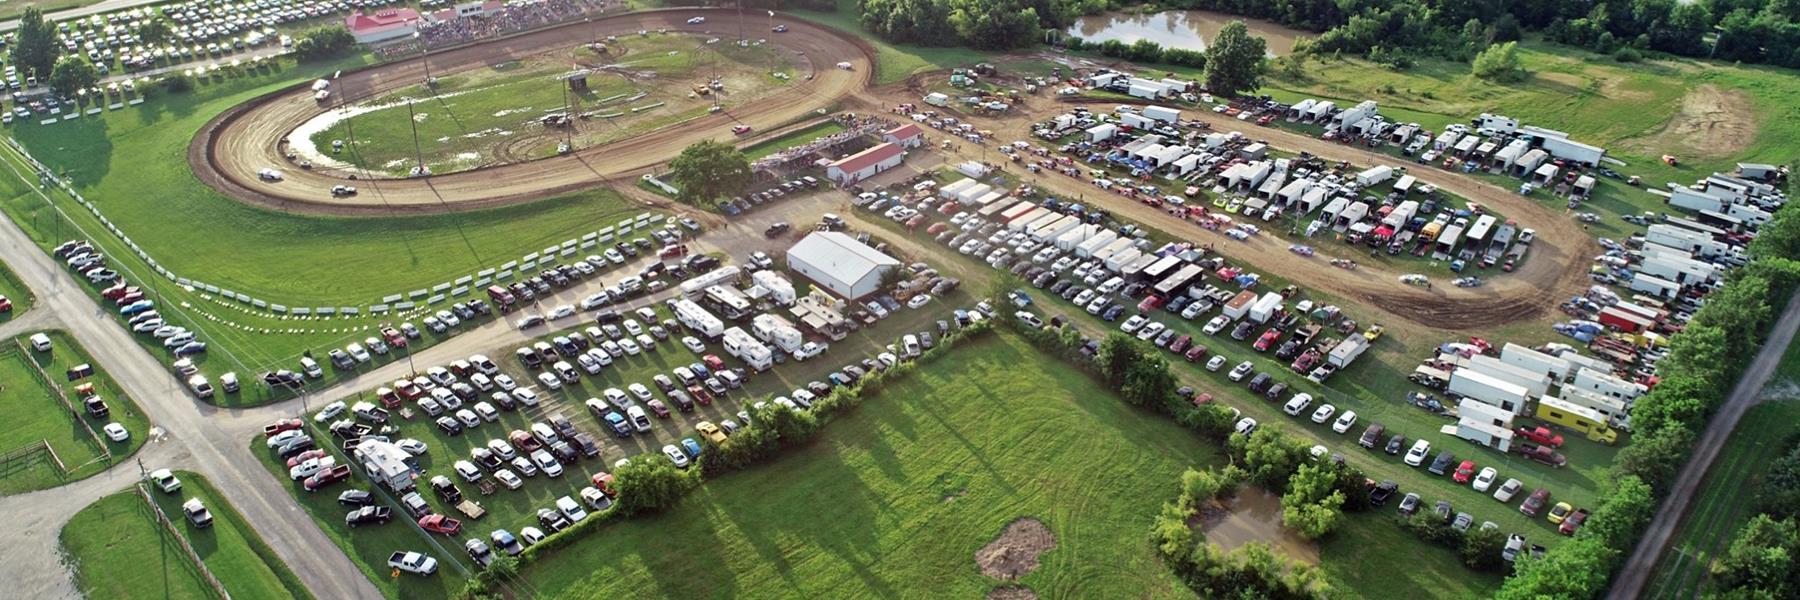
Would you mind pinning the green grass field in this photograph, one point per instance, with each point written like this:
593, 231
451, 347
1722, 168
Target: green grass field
894, 62
11, 10
36, 414
119, 550
1727, 496
911, 485
14, 290
793, 138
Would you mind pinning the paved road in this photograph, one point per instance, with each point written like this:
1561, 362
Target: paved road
1632, 579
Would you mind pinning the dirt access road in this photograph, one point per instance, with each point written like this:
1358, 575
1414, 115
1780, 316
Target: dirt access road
1548, 275
230, 149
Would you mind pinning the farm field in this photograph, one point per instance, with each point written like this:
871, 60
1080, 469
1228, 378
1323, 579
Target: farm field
36, 416
1728, 497
122, 552
514, 509
494, 115
917, 479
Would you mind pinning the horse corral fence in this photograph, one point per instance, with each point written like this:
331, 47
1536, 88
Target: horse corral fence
182, 541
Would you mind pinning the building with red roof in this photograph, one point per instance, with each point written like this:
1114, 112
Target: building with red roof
383, 26
865, 164
909, 135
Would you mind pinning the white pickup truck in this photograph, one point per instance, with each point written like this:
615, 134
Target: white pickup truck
413, 562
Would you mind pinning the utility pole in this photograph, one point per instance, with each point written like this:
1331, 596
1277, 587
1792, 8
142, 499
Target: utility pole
418, 151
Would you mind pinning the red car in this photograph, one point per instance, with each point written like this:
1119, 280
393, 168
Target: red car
713, 363
394, 337
440, 524
5, 304
604, 481
741, 130
1573, 522
408, 390
327, 477
388, 398
279, 426
1541, 435
114, 291
304, 456
1464, 471
1195, 353
700, 394
657, 406
1150, 303
1267, 340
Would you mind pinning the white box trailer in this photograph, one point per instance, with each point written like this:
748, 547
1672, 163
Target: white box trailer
1401, 214
1184, 165
1133, 271
1482, 227
949, 191
1056, 228
988, 198
1314, 196
1468, 383
1300, 109
1265, 307
1116, 246
1486, 414
1578, 361
1605, 383
1072, 238
1017, 210
1374, 175
1102, 132
746, 348
1320, 112
1685, 271
1043, 220
1750, 215
1239, 305
1654, 286
1679, 238
1449, 238
1346, 351
1163, 113
1118, 260
1537, 384
1020, 222
1088, 247
996, 207
1136, 121
1694, 200
1553, 367
777, 331
1147, 91
1446, 140
1483, 434
970, 193
1571, 150
1334, 208
697, 318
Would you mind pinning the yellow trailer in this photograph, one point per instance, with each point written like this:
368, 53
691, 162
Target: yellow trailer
1584, 420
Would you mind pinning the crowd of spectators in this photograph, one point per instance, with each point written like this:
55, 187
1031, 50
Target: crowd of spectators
444, 28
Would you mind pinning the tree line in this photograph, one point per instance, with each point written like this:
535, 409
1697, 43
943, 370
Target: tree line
984, 24
1751, 31
1703, 364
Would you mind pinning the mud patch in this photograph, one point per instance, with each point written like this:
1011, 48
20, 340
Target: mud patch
1011, 592
1254, 515
1015, 552
1712, 123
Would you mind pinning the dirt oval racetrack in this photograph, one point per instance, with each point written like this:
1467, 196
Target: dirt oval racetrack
230, 149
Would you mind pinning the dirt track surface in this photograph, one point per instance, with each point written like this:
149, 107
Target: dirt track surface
230, 149
1551, 272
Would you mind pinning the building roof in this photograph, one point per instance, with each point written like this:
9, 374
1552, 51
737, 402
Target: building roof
862, 160
384, 20
839, 257
907, 131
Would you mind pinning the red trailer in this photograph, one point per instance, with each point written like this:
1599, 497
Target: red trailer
1623, 320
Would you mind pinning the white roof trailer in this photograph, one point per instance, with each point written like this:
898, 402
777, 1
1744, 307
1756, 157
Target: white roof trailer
970, 193
1480, 386
1534, 361
1374, 175
1094, 244
1111, 249
1313, 197
1481, 228
1300, 109
1163, 113
1567, 149
1075, 237
1537, 384
1694, 200
1055, 229
1102, 132
1355, 114
1019, 223
949, 191
1320, 111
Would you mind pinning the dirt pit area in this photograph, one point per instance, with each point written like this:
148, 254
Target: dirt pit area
1015, 552
1712, 123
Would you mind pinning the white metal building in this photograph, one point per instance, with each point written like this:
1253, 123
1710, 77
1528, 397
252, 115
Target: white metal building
840, 264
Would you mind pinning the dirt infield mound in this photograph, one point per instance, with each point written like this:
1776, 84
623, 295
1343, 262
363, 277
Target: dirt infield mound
1015, 552
1712, 123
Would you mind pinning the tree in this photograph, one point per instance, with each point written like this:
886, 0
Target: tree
1654, 458
1499, 62
324, 41
1235, 60
1117, 353
73, 73
650, 484
1312, 505
709, 170
36, 48
1779, 493
1761, 561
155, 30
1481, 549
